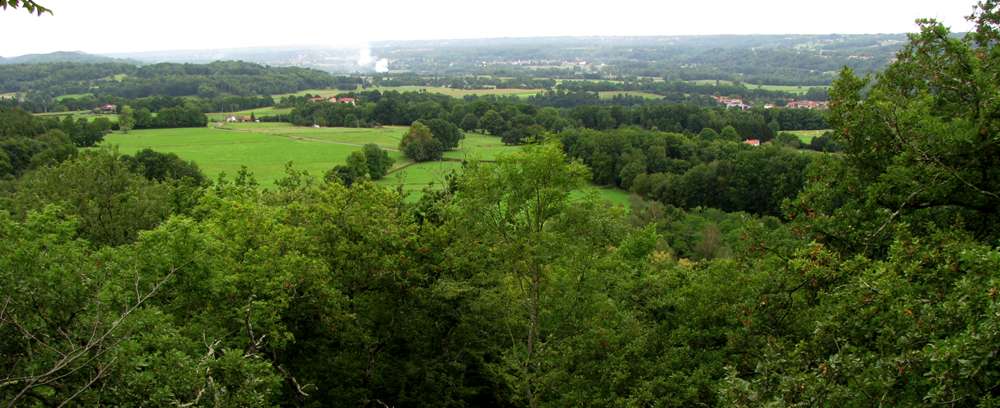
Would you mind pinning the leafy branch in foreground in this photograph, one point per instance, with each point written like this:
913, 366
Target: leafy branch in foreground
29, 5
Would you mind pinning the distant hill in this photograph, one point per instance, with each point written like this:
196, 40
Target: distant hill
61, 56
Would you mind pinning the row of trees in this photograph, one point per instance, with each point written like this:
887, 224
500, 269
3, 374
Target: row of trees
518, 122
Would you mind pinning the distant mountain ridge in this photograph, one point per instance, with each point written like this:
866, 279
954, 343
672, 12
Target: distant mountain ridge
62, 56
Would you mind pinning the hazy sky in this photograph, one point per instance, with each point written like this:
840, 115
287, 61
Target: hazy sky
108, 26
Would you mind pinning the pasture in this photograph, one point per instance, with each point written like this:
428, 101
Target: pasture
264, 152
641, 94
806, 136
257, 112
792, 89
265, 148
453, 92
86, 114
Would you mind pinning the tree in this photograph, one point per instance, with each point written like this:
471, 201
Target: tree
708, 135
514, 202
445, 132
493, 123
378, 161
420, 145
470, 123
729, 134
164, 166
126, 119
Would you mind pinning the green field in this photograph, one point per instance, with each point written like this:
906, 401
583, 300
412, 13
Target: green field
645, 95
792, 89
264, 152
806, 136
8, 95
257, 112
456, 93
79, 95
86, 114
265, 148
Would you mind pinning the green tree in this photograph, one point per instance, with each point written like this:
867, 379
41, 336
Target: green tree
420, 145
126, 119
514, 202
445, 132
378, 161
493, 123
708, 135
470, 123
729, 133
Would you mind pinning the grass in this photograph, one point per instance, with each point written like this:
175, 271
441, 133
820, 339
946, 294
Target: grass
265, 148
453, 92
792, 89
218, 150
74, 96
806, 136
641, 94
86, 114
414, 177
257, 112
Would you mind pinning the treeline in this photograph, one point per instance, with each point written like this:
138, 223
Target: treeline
28, 142
705, 171
42, 83
156, 103
679, 89
517, 121
464, 81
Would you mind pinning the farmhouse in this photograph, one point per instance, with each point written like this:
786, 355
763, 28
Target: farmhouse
106, 108
731, 102
752, 142
806, 104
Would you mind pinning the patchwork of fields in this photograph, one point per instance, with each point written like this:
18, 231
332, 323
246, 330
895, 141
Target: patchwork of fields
265, 148
453, 92
793, 89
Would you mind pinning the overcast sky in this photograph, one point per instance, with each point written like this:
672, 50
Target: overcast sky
108, 26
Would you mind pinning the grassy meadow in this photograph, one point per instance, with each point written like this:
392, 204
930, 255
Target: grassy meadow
806, 136
257, 112
265, 148
792, 89
453, 92
86, 114
641, 94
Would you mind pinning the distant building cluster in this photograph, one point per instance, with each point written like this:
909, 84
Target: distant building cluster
792, 104
731, 102
106, 109
333, 99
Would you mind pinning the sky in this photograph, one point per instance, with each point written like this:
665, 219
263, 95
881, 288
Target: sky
113, 26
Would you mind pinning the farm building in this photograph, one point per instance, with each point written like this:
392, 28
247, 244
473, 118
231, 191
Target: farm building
106, 108
793, 104
752, 142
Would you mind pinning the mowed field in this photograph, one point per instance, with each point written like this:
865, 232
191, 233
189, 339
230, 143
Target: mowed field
86, 114
257, 112
641, 94
265, 148
806, 136
793, 89
453, 92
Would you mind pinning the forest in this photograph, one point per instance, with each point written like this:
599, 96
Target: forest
862, 272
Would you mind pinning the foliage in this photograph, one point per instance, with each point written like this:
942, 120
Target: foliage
419, 144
